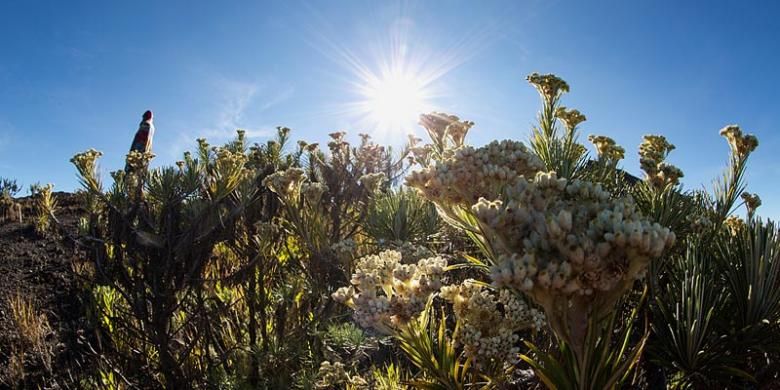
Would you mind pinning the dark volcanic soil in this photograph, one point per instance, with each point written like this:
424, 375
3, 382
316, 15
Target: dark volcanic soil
40, 269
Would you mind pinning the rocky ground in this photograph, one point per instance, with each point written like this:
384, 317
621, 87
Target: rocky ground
39, 269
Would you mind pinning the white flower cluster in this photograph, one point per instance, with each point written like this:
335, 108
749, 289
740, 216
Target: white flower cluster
338, 145
372, 181
741, 144
312, 192
310, 148
139, 160
489, 322
287, 183
607, 148
735, 225
229, 158
472, 173
549, 86
559, 237
752, 202
86, 160
386, 294
369, 153
420, 153
571, 118
230, 164
652, 152
331, 375
344, 246
86, 165
442, 127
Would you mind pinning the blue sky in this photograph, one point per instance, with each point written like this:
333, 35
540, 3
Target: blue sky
75, 75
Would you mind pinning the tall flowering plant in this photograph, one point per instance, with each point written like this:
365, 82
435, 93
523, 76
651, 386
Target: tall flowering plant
702, 332
327, 197
566, 243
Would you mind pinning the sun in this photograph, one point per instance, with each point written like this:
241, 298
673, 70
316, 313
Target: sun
394, 100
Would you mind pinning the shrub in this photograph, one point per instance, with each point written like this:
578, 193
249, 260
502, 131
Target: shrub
45, 208
401, 216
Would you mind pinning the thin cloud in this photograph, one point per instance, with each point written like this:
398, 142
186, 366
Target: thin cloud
239, 97
281, 96
236, 96
235, 102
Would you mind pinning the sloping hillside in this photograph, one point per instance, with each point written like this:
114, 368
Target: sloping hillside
35, 272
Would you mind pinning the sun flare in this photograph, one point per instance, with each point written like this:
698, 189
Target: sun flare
394, 100
393, 80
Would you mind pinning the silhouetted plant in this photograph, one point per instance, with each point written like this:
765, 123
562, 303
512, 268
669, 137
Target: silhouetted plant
160, 228
45, 206
10, 209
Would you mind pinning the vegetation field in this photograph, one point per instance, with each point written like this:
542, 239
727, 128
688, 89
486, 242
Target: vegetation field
518, 264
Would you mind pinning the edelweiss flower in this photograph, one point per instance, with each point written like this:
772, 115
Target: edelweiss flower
741, 145
372, 181
489, 321
752, 202
386, 294
312, 192
557, 238
655, 147
474, 173
285, 183
549, 86
652, 152
606, 147
118, 175
139, 160
571, 118
86, 159
699, 223
331, 375
734, 225
228, 161
440, 125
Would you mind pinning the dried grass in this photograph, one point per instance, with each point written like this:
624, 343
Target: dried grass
33, 328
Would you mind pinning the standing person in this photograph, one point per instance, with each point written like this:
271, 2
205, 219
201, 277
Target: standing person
142, 142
